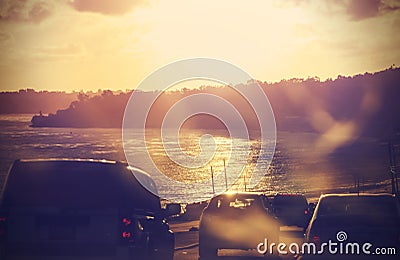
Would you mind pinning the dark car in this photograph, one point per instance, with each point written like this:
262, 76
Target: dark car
82, 208
236, 221
291, 209
352, 221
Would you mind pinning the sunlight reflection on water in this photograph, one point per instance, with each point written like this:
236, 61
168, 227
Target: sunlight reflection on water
292, 169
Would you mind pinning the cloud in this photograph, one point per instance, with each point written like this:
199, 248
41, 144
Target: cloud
364, 9
109, 7
64, 52
33, 11
5, 37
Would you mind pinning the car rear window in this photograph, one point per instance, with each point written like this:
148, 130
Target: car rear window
240, 202
358, 205
75, 185
290, 201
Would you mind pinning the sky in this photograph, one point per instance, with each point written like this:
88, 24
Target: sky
100, 44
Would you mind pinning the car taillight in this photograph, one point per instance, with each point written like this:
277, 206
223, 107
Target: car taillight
126, 234
126, 222
127, 229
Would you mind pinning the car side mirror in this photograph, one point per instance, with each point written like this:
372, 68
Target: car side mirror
173, 209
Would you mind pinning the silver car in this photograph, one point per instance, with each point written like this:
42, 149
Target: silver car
236, 221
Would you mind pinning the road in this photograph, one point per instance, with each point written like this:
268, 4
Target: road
186, 243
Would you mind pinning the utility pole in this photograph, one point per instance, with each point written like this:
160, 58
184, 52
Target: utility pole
393, 168
244, 179
226, 180
212, 179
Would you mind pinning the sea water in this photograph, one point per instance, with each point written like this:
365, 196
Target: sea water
301, 164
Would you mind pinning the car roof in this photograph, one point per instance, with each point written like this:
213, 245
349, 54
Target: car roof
240, 193
289, 195
83, 160
357, 195
67, 160
90, 166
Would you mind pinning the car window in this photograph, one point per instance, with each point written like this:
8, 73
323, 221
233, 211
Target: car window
363, 205
239, 202
144, 179
75, 185
290, 201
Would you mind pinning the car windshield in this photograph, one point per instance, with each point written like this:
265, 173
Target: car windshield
358, 205
84, 185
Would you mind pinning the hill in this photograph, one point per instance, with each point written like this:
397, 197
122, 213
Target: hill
29, 101
365, 104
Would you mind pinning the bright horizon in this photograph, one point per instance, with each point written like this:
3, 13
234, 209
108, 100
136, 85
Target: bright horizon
89, 45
